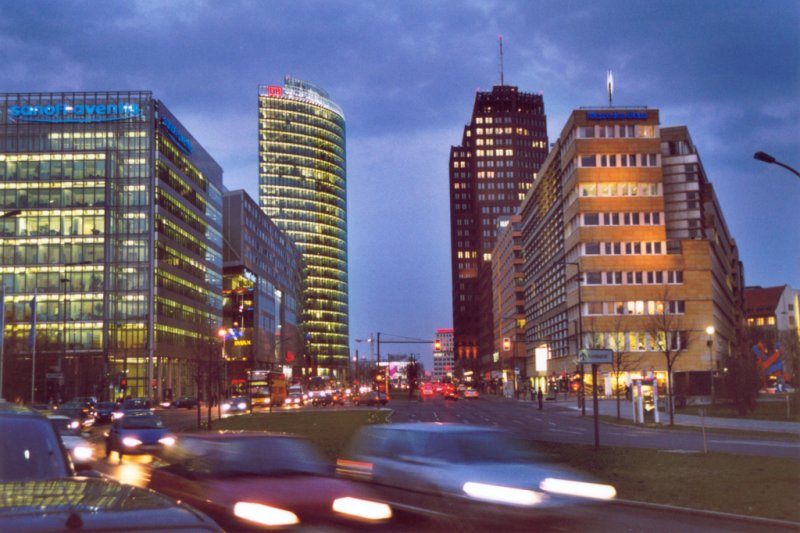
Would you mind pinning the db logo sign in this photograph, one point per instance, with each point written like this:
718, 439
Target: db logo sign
274, 90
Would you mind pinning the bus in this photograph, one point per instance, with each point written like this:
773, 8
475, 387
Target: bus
266, 387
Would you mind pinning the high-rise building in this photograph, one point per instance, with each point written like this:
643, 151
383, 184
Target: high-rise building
443, 354
261, 291
626, 248
496, 163
115, 226
303, 189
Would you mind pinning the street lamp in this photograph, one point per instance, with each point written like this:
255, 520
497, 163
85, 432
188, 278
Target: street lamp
710, 344
766, 158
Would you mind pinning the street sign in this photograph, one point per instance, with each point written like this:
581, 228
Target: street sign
593, 356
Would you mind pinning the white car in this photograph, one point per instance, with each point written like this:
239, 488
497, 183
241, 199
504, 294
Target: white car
80, 449
482, 470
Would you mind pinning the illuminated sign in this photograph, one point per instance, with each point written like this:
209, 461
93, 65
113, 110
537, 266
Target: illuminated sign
74, 113
274, 90
628, 115
180, 139
242, 342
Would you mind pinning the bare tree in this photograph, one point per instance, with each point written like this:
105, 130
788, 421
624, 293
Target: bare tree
670, 336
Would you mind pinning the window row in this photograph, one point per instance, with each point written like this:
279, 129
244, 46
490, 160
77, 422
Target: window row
619, 160
622, 131
641, 341
621, 219
591, 190
658, 277
635, 307
623, 248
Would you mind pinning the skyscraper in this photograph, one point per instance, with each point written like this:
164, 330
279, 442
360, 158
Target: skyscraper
302, 188
501, 151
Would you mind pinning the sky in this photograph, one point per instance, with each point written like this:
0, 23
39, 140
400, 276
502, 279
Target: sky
405, 74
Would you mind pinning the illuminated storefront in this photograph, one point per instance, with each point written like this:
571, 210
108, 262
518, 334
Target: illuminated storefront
302, 188
113, 220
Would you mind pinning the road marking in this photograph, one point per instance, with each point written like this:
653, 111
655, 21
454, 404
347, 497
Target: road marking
757, 443
552, 423
570, 431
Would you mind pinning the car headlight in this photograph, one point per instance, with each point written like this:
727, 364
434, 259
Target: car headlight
242, 406
167, 441
580, 489
131, 442
117, 414
82, 453
501, 494
264, 514
226, 407
74, 424
365, 509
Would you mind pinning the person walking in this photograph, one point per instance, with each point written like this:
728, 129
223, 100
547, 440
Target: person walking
540, 397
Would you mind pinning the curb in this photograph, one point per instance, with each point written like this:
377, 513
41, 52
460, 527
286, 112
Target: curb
775, 522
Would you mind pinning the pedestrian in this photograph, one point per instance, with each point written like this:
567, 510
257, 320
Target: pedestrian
540, 397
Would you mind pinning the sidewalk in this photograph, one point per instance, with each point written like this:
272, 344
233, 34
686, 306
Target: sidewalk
609, 408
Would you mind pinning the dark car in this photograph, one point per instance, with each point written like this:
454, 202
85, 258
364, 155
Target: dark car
239, 404
78, 411
107, 412
39, 490
138, 433
187, 402
371, 398
253, 480
136, 404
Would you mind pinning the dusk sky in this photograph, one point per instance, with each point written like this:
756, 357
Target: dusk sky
405, 74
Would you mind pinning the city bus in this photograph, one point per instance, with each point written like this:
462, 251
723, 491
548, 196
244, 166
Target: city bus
266, 387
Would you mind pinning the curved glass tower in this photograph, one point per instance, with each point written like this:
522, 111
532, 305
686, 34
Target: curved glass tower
302, 188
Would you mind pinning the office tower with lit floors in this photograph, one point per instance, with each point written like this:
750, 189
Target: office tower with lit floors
303, 189
117, 233
496, 163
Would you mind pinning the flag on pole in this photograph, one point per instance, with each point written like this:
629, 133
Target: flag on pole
32, 335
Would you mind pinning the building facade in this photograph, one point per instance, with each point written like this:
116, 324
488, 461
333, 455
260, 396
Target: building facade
443, 361
626, 248
773, 320
262, 291
303, 189
115, 228
490, 172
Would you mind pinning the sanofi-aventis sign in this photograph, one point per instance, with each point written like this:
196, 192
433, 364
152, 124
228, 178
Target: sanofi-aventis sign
74, 113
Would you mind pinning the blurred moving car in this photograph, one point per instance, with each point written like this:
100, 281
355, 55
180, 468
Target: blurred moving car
78, 411
240, 404
138, 433
450, 392
296, 396
40, 492
254, 480
466, 465
106, 412
426, 390
372, 397
332, 397
80, 449
187, 402
471, 392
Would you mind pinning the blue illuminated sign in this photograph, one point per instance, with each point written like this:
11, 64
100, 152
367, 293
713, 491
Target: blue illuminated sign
74, 113
637, 115
180, 139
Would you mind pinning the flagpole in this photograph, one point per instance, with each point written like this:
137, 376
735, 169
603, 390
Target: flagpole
33, 352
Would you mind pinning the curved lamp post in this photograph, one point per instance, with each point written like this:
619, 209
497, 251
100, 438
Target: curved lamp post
766, 158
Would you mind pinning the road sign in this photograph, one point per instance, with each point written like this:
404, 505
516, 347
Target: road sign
590, 356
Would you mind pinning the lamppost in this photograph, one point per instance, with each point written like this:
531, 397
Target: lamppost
766, 158
710, 344
579, 343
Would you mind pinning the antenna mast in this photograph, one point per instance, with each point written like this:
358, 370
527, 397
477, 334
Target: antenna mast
502, 80
610, 83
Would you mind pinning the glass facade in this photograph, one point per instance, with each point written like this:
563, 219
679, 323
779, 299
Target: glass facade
302, 188
112, 218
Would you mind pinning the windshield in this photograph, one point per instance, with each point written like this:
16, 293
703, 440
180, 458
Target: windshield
30, 450
141, 422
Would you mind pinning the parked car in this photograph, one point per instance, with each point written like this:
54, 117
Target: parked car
138, 433
187, 402
40, 492
371, 398
251, 480
465, 466
81, 451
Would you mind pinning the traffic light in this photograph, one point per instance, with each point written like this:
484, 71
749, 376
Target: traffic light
506, 344
123, 384
437, 345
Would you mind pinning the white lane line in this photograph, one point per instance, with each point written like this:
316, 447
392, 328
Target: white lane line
757, 443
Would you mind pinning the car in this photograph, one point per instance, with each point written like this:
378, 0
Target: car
239, 404
426, 390
42, 493
138, 433
78, 411
462, 466
450, 392
438, 388
296, 396
106, 412
371, 398
253, 480
136, 404
187, 402
471, 392
79, 447
86, 400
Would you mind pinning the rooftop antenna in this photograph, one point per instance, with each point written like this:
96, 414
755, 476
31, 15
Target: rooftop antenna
610, 83
502, 80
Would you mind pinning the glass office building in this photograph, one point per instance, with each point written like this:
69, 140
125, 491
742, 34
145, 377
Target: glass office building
112, 223
302, 188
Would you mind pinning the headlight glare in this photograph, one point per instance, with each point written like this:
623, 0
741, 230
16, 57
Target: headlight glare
131, 442
365, 509
264, 514
579, 489
82, 453
167, 441
501, 494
